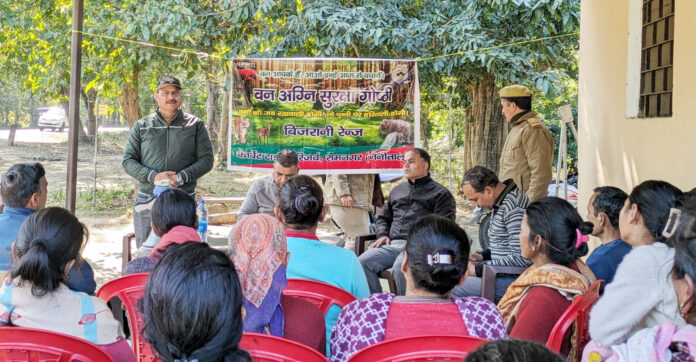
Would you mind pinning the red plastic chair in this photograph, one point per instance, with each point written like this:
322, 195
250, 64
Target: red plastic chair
321, 294
28, 344
578, 312
419, 348
129, 289
263, 348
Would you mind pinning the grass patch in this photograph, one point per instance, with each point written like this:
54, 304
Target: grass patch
113, 140
110, 201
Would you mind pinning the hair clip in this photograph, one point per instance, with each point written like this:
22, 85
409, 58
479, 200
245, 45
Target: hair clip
580, 238
297, 204
437, 258
672, 222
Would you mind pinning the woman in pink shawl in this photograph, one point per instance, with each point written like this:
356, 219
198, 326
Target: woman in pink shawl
174, 220
258, 250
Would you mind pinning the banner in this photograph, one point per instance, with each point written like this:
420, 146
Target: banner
347, 116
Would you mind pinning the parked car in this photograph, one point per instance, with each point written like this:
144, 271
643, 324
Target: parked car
53, 117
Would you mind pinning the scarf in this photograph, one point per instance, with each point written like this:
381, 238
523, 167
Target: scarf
258, 250
568, 282
177, 235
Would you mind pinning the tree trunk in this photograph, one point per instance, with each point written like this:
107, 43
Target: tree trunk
115, 118
224, 121
211, 105
486, 127
90, 103
65, 104
17, 115
34, 119
129, 100
11, 136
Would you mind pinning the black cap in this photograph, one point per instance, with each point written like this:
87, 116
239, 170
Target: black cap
166, 80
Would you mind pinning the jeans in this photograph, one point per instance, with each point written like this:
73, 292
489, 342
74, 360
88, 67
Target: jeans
374, 260
142, 215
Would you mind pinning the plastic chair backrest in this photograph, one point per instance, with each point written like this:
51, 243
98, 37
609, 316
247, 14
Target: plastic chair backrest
264, 348
321, 294
419, 348
577, 312
28, 344
129, 289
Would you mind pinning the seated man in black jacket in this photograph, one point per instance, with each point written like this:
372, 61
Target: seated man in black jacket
407, 203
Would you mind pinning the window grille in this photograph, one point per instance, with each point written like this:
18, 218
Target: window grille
657, 49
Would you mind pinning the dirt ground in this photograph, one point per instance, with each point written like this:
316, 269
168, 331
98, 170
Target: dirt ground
109, 219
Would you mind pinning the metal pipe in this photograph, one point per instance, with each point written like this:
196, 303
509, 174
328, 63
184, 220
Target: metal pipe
96, 142
449, 131
559, 160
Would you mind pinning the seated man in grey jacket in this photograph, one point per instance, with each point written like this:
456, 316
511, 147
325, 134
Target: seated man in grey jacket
262, 196
508, 202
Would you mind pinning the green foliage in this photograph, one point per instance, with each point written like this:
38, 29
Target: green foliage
547, 108
35, 38
17, 103
422, 29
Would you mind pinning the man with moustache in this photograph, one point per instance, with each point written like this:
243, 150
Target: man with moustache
408, 202
168, 148
263, 194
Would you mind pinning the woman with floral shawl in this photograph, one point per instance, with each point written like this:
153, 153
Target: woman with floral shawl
258, 250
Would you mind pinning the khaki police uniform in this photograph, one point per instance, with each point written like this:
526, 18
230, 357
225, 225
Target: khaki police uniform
527, 156
353, 220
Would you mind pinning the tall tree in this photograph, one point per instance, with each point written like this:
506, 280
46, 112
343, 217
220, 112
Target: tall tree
36, 46
172, 36
469, 31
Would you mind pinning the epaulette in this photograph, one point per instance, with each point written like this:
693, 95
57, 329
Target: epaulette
535, 122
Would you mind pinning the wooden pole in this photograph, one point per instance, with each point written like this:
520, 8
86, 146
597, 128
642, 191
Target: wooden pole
74, 105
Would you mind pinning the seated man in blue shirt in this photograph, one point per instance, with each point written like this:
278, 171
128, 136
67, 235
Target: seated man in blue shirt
24, 189
603, 212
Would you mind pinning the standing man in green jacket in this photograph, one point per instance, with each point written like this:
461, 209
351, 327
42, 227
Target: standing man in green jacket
168, 148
